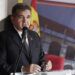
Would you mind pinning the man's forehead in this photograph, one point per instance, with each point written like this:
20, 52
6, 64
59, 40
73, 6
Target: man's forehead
23, 11
19, 10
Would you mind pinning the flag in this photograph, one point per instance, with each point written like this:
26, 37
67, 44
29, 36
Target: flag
34, 18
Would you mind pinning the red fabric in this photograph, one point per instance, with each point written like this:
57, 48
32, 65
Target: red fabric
57, 62
33, 4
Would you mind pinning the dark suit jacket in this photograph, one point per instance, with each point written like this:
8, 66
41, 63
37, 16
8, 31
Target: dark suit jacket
10, 44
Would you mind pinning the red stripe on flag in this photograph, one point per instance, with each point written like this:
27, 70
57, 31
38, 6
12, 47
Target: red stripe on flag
33, 4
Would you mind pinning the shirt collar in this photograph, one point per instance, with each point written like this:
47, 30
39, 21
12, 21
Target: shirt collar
19, 32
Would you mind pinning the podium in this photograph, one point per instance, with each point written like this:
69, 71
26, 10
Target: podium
63, 72
19, 73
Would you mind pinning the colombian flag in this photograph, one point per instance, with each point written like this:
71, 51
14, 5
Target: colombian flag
34, 18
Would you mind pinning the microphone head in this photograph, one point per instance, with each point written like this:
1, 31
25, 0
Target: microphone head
25, 28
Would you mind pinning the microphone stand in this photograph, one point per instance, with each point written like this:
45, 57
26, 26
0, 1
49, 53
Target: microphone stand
21, 48
18, 58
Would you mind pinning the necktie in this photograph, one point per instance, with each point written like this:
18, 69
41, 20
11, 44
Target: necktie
27, 43
27, 48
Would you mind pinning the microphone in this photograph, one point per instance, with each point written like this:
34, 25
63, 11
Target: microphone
21, 48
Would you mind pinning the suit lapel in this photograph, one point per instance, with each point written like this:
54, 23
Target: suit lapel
31, 40
15, 37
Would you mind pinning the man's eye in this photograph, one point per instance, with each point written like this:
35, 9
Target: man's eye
20, 16
28, 16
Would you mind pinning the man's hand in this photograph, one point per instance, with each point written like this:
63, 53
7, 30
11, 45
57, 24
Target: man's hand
48, 65
32, 68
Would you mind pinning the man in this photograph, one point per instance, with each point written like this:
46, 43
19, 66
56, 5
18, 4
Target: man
11, 41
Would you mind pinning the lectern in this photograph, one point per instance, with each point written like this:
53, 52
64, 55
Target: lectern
19, 73
63, 72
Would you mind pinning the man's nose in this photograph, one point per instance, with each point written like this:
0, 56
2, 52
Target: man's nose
24, 20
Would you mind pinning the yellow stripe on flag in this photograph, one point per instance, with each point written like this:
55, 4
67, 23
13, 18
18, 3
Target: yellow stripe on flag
20, 1
34, 18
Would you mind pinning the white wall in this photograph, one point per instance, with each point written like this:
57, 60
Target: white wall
11, 3
3, 9
6, 7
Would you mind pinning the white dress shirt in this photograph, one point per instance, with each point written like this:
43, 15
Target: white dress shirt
20, 34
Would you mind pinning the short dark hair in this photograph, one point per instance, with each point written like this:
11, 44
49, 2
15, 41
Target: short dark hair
20, 6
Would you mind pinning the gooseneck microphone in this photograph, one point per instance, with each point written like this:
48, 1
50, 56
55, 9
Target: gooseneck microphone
21, 48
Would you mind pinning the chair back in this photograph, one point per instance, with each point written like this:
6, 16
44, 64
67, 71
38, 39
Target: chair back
57, 62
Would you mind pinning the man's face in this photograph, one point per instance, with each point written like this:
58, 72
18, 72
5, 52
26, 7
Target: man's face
22, 19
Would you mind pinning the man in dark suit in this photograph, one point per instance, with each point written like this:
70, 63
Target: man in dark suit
11, 41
